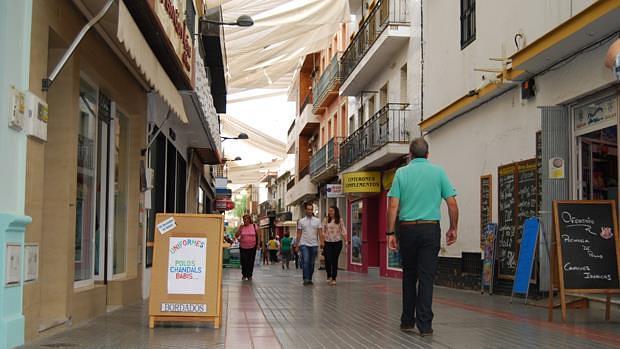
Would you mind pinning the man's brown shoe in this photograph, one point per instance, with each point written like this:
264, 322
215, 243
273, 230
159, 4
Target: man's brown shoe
407, 328
426, 333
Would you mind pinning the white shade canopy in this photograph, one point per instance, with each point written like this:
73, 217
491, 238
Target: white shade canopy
284, 31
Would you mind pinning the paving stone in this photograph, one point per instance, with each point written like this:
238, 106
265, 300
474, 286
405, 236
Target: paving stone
362, 311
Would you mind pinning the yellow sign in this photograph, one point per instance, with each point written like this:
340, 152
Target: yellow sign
388, 178
362, 182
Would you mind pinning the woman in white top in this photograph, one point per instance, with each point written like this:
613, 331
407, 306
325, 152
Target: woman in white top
334, 233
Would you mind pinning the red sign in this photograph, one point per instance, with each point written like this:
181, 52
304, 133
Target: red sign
224, 205
183, 45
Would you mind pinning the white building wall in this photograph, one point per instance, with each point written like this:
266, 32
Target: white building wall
449, 71
501, 132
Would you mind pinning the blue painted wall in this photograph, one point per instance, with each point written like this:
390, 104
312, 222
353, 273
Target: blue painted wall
15, 23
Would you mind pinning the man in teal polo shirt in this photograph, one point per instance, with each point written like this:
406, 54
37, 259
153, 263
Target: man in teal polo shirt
417, 190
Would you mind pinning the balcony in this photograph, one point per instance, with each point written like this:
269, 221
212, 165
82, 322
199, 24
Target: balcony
325, 90
324, 164
380, 140
303, 190
382, 34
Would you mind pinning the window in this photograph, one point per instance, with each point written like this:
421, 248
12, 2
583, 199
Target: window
383, 95
121, 178
468, 22
190, 19
329, 131
201, 200
85, 202
404, 98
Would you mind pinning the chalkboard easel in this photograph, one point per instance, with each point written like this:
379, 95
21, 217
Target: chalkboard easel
586, 251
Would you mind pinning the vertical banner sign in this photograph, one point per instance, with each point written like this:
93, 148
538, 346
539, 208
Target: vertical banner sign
485, 206
527, 251
187, 265
488, 263
506, 219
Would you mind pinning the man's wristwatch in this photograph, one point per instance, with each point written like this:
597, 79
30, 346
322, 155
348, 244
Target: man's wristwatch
389, 233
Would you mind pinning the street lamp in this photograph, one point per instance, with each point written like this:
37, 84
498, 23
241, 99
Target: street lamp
242, 21
240, 136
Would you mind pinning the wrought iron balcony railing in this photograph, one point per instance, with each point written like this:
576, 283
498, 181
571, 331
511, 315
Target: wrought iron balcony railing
327, 156
328, 82
385, 13
388, 125
304, 172
306, 101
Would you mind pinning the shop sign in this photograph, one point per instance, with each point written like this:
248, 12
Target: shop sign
362, 182
221, 182
224, 205
263, 221
388, 178
223, 193
596, 114
187, 265
284, 216
171, 16
334, 190
556, 168
183, 308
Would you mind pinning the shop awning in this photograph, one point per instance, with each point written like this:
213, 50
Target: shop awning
136, 46
197, 132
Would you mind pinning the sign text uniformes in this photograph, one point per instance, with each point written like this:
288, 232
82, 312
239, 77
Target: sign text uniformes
187, 265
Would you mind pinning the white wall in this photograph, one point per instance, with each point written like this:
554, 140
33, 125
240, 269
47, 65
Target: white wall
448, 70
391, 75
501, 132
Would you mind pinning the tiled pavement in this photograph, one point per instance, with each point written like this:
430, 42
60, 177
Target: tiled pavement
363, 311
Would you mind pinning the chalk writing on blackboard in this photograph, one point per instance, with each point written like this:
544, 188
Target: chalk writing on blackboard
587, 244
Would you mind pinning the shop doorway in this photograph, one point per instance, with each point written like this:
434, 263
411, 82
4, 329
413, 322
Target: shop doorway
356, 244
598, 164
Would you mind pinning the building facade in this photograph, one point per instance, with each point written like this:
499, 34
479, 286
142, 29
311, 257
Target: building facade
380, 75
132, 122
15, 22
539, 123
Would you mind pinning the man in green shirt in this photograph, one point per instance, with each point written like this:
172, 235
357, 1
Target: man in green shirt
285, 249
416, 195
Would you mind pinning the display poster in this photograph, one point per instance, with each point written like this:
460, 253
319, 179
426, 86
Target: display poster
31, 255
187, 265
334, 191
12, 264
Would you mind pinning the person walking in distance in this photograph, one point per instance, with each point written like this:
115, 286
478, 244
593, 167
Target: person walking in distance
309, 235
334, 233
248, 242
416, 194
285, 249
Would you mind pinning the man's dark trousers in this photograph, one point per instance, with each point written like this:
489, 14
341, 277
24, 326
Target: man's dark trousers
419, 246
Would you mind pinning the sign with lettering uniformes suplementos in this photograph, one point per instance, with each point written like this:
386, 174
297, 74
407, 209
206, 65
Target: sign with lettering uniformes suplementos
586, 234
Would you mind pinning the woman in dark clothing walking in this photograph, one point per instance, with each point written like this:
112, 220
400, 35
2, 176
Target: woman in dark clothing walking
248, 241
334, 233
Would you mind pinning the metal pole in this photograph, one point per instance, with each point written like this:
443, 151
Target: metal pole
47, 82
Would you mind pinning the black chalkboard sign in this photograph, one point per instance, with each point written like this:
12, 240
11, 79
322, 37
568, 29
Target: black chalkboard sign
486, 211
586, 234
506, 221
527, 194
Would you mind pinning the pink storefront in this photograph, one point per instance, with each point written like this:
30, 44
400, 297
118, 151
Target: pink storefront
367, 224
